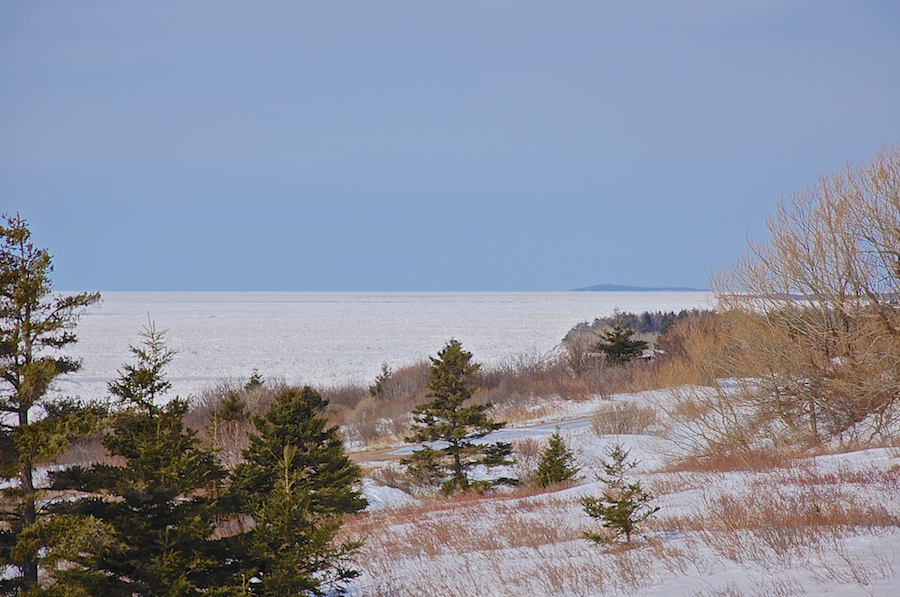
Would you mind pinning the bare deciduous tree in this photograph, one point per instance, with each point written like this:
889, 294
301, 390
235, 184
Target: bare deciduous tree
812, 316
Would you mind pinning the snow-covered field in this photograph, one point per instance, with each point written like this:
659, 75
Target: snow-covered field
330, 338
826, 525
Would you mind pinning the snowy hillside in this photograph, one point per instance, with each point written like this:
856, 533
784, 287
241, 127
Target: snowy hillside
825, 525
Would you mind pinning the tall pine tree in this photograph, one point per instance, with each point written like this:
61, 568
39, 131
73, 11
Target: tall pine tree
297, 484
446, 419
158, 504
34, 429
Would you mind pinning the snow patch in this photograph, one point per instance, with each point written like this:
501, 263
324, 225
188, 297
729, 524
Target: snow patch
380, 496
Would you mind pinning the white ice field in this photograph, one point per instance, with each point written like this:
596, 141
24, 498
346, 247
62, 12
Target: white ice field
328, 338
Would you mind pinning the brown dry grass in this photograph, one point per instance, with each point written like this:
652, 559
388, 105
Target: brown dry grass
785, 516
798, 517
521, 388
515, 523
750, 460
463, 553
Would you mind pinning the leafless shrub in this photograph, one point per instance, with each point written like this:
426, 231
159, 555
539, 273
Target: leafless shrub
376, 422
624, 418
527, 454
386, 418
808, 327
393, 475
229, 435
746, 460
208, 401
230, 439
712, 421
578, 353
405, 383
256, 399
677, 361
522, 378
347, 395
519, 388
813, 312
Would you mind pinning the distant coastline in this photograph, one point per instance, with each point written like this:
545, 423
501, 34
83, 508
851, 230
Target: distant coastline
620, 288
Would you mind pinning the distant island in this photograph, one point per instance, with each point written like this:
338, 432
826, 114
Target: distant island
619, 288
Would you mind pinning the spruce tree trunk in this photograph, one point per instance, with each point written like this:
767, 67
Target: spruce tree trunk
457, 463
30, 566
29, 514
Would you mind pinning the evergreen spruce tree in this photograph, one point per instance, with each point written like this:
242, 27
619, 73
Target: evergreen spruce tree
297, 484
232, 408
446, 419
157, 505
256, 381
623, 505
34, 429
378, 389
617, 343
557, 463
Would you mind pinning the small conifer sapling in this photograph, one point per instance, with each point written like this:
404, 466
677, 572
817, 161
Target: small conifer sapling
623, 505
557, 463
256, 381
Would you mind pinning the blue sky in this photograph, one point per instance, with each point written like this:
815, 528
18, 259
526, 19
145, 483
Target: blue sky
470, 145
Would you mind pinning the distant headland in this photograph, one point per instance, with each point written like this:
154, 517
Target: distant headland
619, 288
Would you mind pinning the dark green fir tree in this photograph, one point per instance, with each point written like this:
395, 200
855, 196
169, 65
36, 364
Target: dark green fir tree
157, 503
256, 381
617, 344
447, 418
34, 428
297, 484
557, 463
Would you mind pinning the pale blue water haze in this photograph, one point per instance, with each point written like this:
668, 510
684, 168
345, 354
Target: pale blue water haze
327, 338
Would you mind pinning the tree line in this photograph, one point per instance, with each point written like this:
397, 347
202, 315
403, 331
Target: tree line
646, 322
161, 516
157, 513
